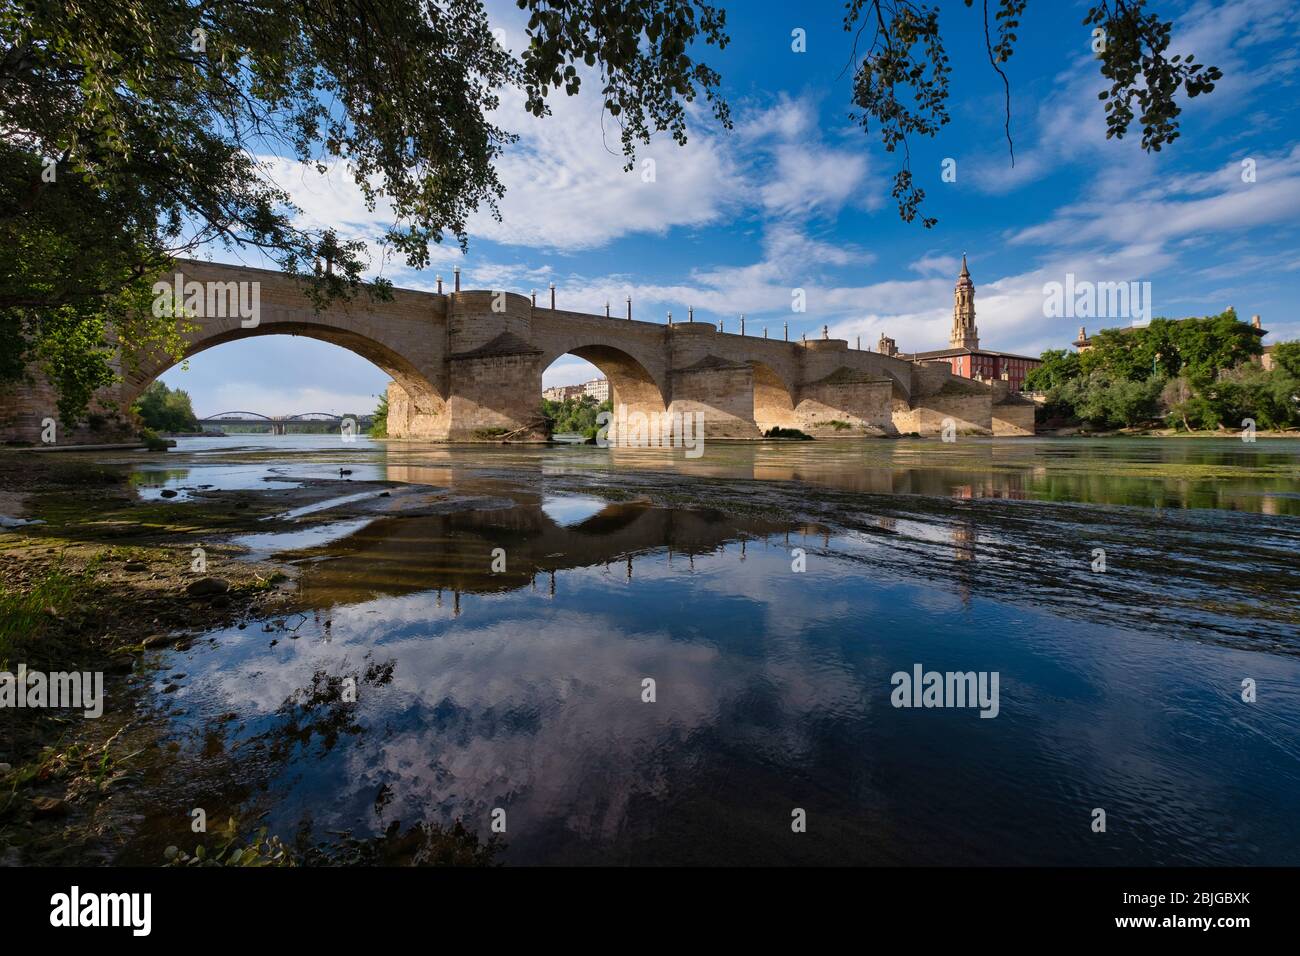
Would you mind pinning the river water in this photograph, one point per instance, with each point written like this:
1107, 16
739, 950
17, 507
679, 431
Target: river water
504, 652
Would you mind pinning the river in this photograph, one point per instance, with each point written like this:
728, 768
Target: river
634, 657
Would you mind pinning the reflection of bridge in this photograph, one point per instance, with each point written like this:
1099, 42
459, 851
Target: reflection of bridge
401, 555
280, 424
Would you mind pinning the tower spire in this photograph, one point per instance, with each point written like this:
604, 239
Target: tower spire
964, 334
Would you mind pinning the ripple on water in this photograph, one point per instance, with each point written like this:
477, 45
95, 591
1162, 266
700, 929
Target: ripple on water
523, 688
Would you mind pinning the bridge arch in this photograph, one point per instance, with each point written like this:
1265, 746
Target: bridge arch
631, 382
233, 412
423, 392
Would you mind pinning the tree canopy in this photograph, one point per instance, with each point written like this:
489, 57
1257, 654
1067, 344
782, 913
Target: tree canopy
166, 410
575, 416
1193, 373
1196, 347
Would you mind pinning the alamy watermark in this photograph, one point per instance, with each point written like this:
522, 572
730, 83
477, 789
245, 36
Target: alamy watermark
1084, 299
36, 689
624, 429
75, 909
922, 688
209, 300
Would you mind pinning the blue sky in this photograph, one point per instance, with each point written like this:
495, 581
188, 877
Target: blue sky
797, 196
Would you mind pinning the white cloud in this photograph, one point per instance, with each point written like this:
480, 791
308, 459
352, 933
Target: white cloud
1164, 212
566, 188
932, 264
570, 370
567, 191
812, 178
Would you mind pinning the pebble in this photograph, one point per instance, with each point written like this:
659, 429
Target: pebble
204, 586
49, 806
161, 640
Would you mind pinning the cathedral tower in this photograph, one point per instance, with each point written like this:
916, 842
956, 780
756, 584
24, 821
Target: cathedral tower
964, 335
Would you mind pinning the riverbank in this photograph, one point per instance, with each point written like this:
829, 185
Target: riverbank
104, 581
1076, 431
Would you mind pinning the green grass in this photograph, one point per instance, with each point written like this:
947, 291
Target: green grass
24, 614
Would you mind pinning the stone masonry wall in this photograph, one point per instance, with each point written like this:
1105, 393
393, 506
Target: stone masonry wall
864, 406
724, 395
1013, 419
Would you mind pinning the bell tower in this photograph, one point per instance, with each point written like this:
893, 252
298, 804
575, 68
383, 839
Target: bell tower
964, 335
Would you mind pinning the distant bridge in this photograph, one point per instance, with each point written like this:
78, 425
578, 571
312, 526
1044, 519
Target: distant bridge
280, 424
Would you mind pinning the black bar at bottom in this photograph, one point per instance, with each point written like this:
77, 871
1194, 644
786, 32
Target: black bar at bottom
333, 905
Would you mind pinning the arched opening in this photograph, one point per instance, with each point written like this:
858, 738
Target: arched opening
773, 403
606, 374
296, 361
283, 380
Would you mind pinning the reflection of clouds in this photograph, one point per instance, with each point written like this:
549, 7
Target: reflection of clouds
568, 510
533, 705
537, 707
520, 711
528, 711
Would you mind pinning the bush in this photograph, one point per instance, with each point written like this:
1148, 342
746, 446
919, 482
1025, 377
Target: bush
379, 424
153, 441
1193, 373
575, 415
1270, 399
793, 434
1108, 402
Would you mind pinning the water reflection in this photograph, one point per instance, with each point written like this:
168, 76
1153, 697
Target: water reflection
456, 552
522, 690
1161, 473
1263, 477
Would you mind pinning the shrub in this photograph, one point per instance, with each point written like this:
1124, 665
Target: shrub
793, 434
153, 441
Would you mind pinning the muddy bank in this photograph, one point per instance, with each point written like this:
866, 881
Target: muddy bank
102, 584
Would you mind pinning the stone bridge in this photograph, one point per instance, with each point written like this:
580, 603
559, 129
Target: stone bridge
467, 366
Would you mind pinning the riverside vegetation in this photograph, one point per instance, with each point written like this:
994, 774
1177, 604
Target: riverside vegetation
1189, 375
